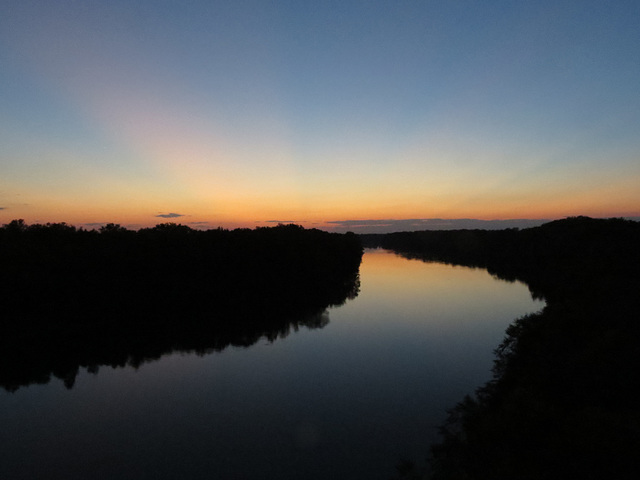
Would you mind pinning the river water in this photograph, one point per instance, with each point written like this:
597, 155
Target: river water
349, 400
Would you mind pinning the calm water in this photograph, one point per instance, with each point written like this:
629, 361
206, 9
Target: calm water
345, 401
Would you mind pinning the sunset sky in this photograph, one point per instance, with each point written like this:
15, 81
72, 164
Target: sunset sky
242, 113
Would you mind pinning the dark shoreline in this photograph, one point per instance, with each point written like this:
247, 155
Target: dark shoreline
562, 402
74, 298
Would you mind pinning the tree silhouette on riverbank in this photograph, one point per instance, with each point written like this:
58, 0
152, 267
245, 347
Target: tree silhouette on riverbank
562, 402
76, 298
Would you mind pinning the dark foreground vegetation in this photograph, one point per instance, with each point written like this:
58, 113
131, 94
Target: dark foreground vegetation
563, 402
74, 298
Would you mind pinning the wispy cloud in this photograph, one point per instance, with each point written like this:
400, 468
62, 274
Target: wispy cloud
393, 225
170, 215
200, 225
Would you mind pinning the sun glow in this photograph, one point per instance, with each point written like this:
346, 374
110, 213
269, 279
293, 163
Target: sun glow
113, 116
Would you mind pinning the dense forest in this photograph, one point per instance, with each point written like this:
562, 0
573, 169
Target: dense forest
76, 298
562, 402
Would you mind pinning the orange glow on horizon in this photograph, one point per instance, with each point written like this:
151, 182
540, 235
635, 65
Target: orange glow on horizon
138, 212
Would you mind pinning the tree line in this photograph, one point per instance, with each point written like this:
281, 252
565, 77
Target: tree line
562, 402
73, 297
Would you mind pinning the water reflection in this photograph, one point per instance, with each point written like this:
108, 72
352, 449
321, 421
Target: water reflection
37, 349
346, 400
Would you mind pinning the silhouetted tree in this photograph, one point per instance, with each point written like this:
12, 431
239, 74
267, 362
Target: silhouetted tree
562, 402
115, 296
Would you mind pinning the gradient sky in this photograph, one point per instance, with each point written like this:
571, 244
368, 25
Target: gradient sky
238, 113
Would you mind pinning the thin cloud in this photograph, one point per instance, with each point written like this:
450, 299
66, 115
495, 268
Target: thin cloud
394, 225
94, 225
200, 225
170, 215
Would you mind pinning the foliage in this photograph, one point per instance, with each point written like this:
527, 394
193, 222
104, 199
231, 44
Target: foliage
73, 297
563, 399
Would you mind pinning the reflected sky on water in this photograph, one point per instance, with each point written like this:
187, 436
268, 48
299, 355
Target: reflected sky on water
345, 401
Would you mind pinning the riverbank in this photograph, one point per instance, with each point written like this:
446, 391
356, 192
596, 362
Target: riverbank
72, 297
562, 402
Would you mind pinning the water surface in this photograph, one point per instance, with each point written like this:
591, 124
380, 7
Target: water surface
344, 401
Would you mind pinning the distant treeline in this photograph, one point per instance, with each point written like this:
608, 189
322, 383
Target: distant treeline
563, 400
557, 259
72, 297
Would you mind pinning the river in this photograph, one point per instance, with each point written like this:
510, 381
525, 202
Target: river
348, 400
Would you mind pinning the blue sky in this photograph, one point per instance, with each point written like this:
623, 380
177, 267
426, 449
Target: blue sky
238, 113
